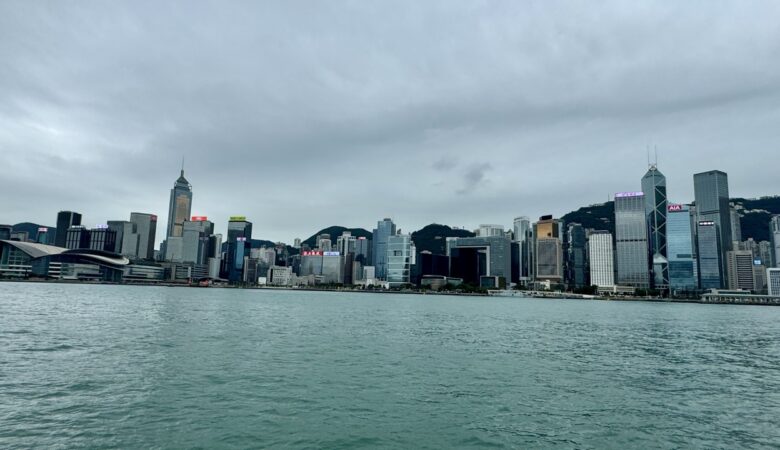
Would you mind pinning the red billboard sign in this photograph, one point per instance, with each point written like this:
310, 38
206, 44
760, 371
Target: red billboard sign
199, 218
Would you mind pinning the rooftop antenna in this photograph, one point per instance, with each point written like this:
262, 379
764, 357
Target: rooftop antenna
647, 149
182, 164
656, 156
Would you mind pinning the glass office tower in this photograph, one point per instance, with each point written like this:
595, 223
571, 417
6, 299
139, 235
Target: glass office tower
680, 249
179, 207
711, 190
632, 250
654, 188
384, 229
710, 255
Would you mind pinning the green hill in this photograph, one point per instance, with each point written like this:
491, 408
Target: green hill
755, 216
433, 237
597, 217
334, 232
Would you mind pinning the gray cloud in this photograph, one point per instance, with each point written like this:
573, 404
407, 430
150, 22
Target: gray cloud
301, 115
474, 177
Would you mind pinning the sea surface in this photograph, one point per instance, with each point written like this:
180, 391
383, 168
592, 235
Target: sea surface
95, 366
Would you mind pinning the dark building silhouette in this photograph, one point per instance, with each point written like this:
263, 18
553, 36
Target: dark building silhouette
65, 220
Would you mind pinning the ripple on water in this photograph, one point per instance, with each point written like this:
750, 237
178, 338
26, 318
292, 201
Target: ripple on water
114, 366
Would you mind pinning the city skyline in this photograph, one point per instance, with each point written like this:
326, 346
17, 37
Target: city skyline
221, 226
346, 124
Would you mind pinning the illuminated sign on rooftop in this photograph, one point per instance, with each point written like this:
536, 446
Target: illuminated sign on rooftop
706, 223
312, 253
238, 218
43, 230
331, 254
101, 226
629, 194
675, 208
199, 219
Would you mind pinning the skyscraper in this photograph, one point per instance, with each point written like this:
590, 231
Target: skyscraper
548, 250
740, 270
400, 257
711, 190
179, 207
65, 220
487, 230
195, 240
522, 232
576, 257
680, 249
774, 233
239, 237
602, 259
773, 281
146, 227
126, 237
633, 261
654, 188
77, 237
710, 255
736, 227
384, 229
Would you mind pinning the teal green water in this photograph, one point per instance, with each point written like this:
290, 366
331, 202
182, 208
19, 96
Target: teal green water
139, 367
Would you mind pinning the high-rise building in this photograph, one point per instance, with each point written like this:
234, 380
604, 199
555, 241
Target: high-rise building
680, 249
77, 237
363, 250
576, 257
633, 261
126, 237
65, 220
765, 253
474, 258
384, 229
654, 189
736, 226
774, 233
195, 240
711, 190
146, 227
297, 243
710, 255
102, 238
324, 243
740, 270
239, 240
346, 243
522, 234
400, 258
548, 250
179, 207
5, 232
773, 281
44, 235
488, 230
602, 259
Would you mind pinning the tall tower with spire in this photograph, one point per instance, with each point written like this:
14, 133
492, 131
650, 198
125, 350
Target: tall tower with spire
180, 206
654, 188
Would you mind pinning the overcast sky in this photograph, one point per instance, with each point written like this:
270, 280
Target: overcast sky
302, 115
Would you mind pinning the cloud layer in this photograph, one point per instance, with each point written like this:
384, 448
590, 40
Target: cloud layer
301, 115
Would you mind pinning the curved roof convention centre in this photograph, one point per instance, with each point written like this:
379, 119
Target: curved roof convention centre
36, 250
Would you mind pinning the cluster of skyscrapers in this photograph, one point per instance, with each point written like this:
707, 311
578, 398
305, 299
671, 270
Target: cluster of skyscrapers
680, 249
